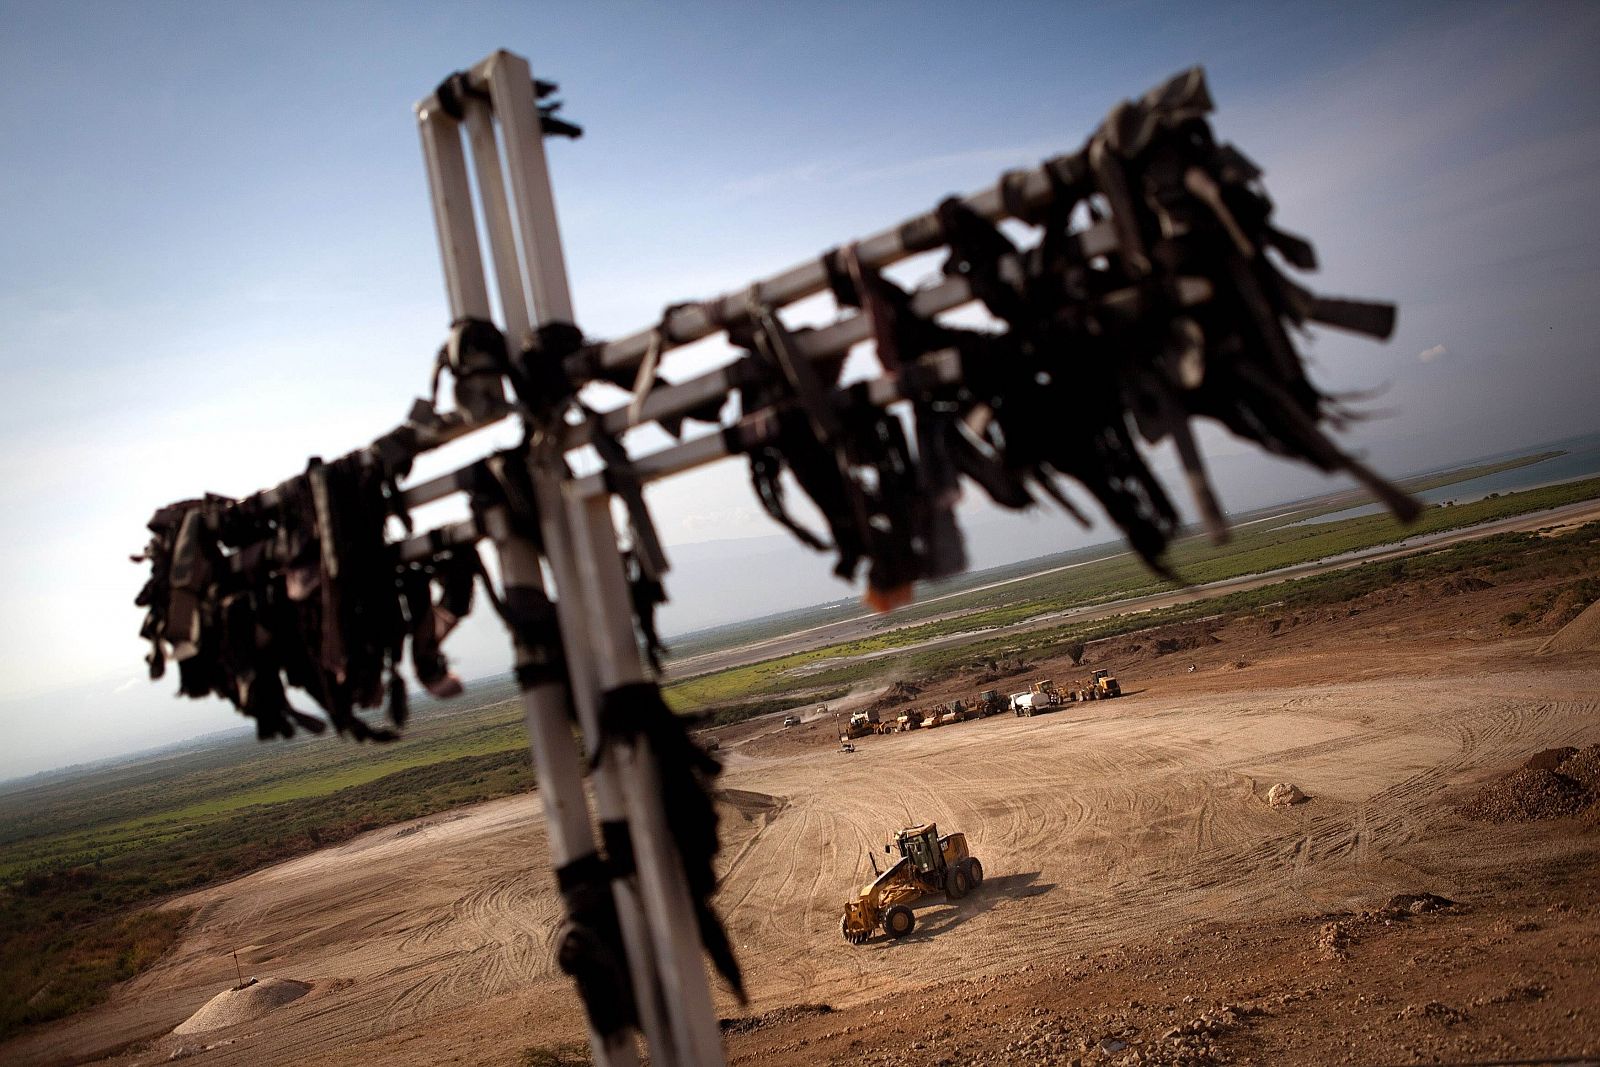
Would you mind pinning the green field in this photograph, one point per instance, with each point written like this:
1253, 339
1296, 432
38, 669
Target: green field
1253, 550
931, 594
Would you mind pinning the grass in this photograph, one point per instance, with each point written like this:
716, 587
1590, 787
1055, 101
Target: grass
1252, 551
736, 634
82, 859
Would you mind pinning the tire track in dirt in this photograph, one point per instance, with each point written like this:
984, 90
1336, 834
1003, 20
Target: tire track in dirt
1098, 825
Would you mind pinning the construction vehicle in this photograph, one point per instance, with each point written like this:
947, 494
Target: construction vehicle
862, 723
1042, 696
990, 702
1031, 704
928, 865
1104, 685
911, 720
1045, 688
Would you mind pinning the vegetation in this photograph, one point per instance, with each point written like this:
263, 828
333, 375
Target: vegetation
933, 596
82, 859
1251, 551
86, 858
555, 1056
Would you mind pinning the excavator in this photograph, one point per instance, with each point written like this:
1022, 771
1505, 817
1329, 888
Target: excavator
928, 864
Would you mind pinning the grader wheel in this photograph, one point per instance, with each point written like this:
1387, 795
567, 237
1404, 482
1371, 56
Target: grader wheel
975, 872
899, 921
959, 883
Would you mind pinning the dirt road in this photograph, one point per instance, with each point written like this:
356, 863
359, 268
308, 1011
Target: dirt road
1110, 824
877, 625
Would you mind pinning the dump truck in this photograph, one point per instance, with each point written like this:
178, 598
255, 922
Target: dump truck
1103, 685
928, 865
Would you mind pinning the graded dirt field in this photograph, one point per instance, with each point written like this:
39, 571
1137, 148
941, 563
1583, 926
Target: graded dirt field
1142, 901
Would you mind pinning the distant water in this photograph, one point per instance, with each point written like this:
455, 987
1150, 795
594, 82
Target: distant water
1581, 461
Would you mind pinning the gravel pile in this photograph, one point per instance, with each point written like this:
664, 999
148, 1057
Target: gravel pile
1580, 635
1583, 767
1527, 796
241, 1005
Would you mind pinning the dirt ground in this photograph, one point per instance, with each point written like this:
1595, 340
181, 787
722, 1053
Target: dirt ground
1142, 904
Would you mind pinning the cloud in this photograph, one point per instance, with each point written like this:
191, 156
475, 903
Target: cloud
1428, 355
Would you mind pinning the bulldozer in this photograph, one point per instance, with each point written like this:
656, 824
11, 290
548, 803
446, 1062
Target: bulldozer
1104, 685
928, 865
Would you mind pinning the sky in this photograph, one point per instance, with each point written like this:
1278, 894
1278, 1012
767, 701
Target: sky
218, 255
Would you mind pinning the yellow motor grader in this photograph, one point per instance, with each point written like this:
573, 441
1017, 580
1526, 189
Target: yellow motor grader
928, 864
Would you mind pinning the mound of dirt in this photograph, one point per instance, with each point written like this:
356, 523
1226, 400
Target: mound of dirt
1549, 759
1462, 583
1184, 641
243, 1004
773, 1018
1526, 796
1580, 635
1415, 904
898, 693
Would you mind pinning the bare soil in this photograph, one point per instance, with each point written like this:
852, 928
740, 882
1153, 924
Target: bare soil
1142, 902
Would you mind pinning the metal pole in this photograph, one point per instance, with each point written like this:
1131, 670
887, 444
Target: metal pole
599, 593
655, 1017
666, 893
544, 704
513, 288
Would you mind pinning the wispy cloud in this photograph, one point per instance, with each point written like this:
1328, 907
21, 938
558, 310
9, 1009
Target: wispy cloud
1429, 355
839, 173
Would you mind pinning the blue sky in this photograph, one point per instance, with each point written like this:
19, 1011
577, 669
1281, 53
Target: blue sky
218, 254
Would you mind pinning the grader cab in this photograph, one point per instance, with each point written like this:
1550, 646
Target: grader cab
928, 865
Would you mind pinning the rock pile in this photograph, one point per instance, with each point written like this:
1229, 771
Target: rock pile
1553, 784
